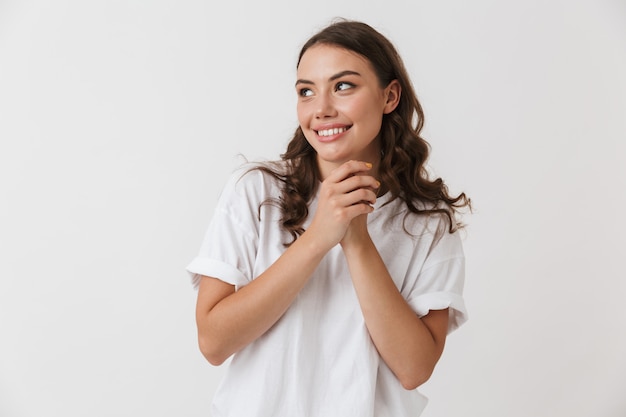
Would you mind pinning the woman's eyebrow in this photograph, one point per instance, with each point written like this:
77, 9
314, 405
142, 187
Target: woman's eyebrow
343, 74
332, 78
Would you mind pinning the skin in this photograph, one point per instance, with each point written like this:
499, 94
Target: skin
337, 89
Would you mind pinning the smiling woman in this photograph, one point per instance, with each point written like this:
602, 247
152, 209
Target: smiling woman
333, 276
341, 105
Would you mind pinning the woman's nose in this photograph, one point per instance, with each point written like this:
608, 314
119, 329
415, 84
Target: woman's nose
325, 107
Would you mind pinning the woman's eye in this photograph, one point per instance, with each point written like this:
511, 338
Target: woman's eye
305, 92
343, 86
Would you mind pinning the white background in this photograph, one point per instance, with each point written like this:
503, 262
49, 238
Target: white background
120, 121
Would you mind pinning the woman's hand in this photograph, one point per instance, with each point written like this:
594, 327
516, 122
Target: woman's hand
347, 194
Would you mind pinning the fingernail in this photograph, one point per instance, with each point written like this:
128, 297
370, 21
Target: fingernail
368, 164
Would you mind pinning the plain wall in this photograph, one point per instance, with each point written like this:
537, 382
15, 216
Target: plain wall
121, 120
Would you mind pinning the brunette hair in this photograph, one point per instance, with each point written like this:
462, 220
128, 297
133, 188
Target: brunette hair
404, 152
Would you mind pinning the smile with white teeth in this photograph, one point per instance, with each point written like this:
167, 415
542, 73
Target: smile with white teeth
329, 132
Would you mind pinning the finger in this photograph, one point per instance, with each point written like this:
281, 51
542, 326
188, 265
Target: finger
356, 210
349, 169
358, 196
356, 182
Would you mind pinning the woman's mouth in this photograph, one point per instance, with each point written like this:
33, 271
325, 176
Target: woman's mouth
331, 132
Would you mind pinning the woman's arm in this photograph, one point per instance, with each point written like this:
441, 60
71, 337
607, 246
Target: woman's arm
409, 345
227, 320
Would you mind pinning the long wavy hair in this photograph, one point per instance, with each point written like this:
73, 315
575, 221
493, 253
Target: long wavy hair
404, 152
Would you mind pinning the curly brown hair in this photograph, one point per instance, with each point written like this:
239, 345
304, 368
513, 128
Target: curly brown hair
404, 152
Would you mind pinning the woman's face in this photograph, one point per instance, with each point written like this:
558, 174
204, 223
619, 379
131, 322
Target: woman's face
341, 105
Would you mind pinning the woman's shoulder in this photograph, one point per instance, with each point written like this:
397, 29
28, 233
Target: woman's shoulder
256, 178
246, 189
424, 218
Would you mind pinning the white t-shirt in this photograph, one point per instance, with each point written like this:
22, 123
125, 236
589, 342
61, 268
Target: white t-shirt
318, 359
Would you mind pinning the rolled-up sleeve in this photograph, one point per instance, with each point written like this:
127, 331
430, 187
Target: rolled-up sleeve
230, 242
439, 284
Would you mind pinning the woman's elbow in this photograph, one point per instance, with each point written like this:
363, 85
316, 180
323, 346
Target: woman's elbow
412, 380
211, 352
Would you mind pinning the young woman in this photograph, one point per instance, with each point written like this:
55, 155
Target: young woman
333, 275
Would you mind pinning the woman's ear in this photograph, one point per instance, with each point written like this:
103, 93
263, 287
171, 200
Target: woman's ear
392, 92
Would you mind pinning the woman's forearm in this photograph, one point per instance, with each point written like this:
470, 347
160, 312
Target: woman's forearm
410, 346
235, 319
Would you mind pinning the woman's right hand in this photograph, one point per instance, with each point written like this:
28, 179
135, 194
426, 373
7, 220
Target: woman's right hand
348, 192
